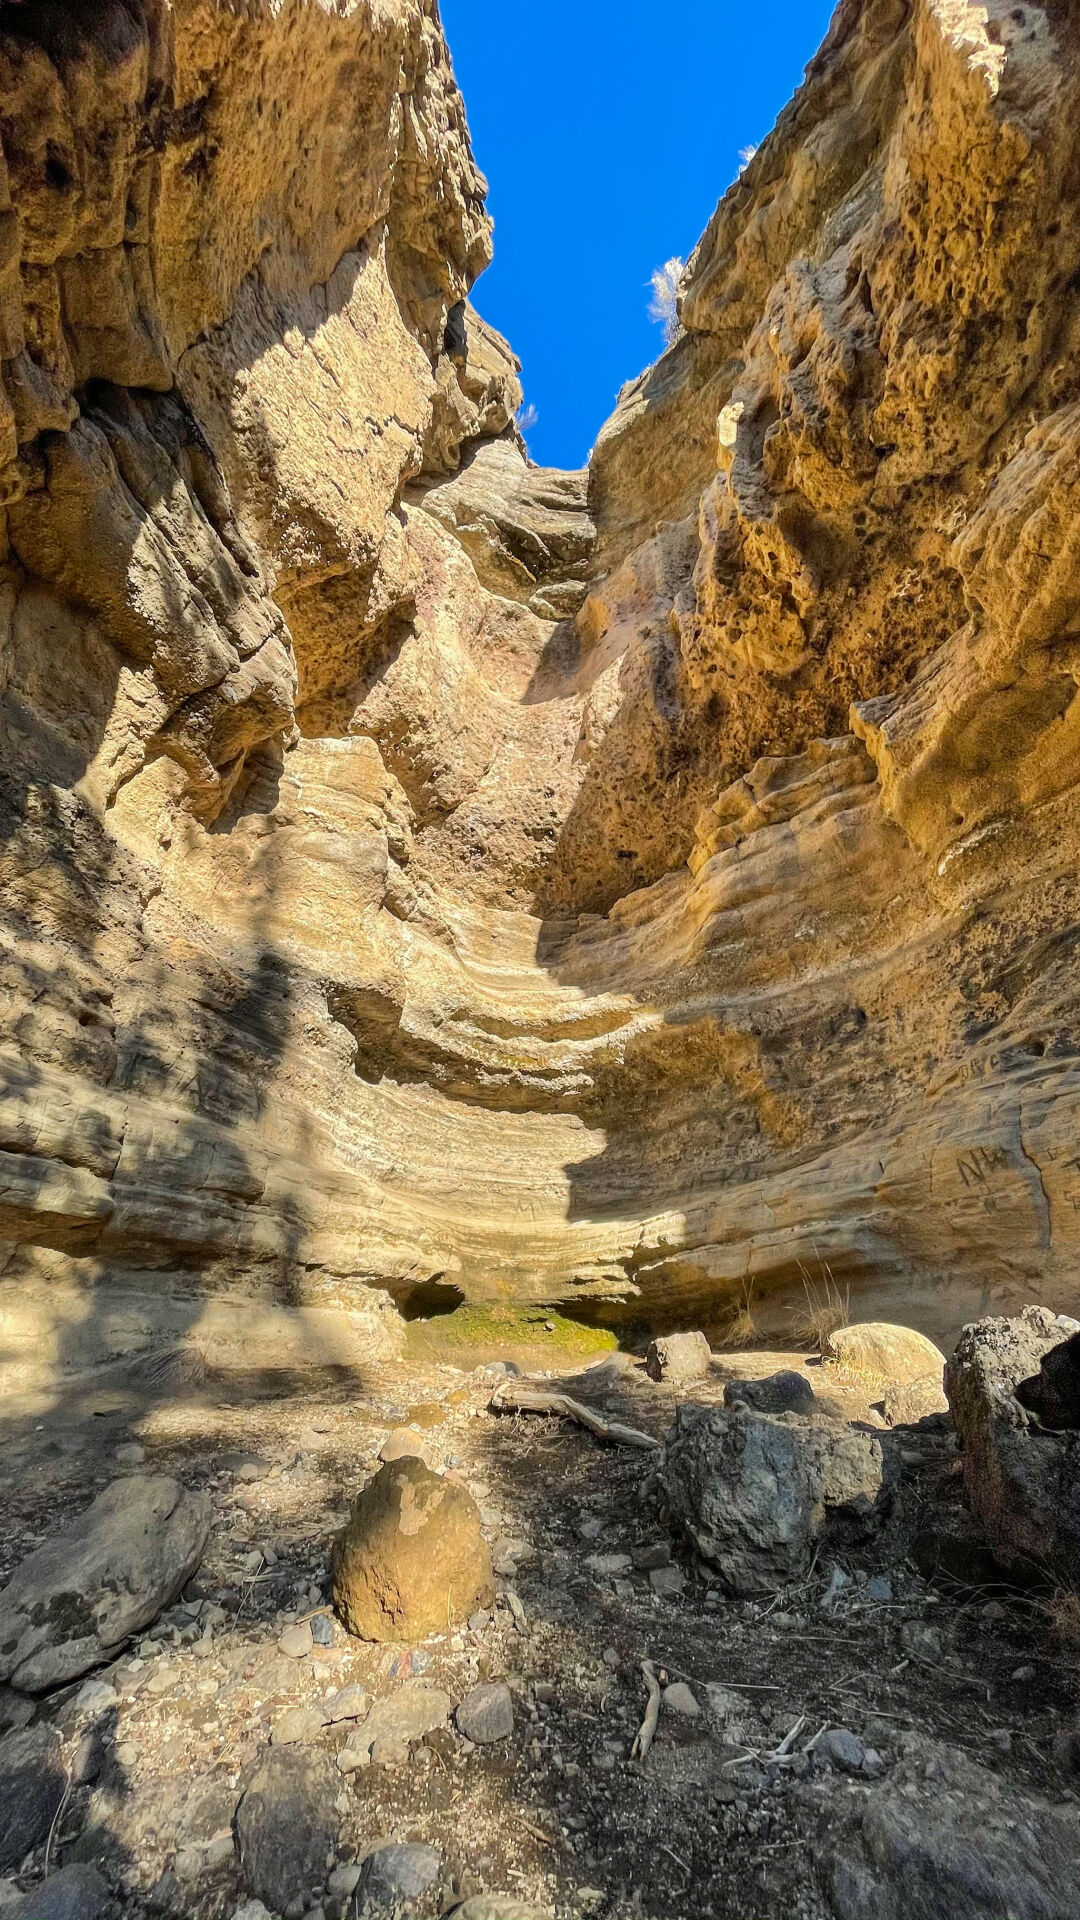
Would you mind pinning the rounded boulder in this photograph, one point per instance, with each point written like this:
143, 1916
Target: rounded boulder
412, 1560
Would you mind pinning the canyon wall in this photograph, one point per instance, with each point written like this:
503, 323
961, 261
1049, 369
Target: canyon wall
651, 889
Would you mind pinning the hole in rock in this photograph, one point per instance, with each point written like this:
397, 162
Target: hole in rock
430, 1300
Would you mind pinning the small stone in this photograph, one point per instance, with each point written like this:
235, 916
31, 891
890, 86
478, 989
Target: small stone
1066, 1752
591, 1529
667, 1582
296, 1641
251, 1910
322, 1630
388, 1751
126, 1754
344, 1880
298, 1726
406, 1444
922, 1642
130, 1455
1002, 1739
415, 1709
356, 1753
486, 1714
879, 1590
658, 1554
678, 1356
189, 1863
87, 1759
842, 1749
94, 1696
351, 1703
994, 1613
606, 1565
393, 1875
785, 1392
680, 1699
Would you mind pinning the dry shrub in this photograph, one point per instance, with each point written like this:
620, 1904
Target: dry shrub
827, 1309
1063, 1617
741, 1329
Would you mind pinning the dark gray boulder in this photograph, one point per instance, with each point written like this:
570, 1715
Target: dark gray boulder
758, 1493
1022, 1477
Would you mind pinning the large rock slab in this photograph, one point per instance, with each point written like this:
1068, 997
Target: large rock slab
104, 1577
286, 1824
412, 1559
31, 1789
758, 1493
945, 1842
1022, 1478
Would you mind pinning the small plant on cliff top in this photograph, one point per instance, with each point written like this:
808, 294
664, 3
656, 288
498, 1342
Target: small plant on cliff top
664, 305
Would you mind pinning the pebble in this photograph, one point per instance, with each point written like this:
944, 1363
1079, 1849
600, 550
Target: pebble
658, 1554
95, 1696
356, 1753
486, 1714
606, 1565
126, 1753
393, 1875
879, 1589
994, 1613
389, 1751
680, 1699
1001, 1738
921, 1642
130, 1455
351, 1703
667, 1582
344, 1880
296, 1641
298, 1726
322, 1630
845, 1751
87, 1760
591, 1529
251, 1910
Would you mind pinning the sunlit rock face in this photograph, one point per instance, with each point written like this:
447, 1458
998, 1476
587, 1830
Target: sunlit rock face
651, 889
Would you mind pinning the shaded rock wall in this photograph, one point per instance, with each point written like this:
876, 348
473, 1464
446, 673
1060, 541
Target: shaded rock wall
652, 889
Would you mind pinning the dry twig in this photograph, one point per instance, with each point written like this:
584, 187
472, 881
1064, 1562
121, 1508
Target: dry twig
644, 1736
511, 1398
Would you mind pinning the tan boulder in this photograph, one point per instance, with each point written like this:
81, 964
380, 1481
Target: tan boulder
881, 1351
412, 1560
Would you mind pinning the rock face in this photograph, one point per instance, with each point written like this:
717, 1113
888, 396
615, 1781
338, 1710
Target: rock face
759, 1493
412, 1560
653, 890
112, 1571
1022, 1478
946, 1843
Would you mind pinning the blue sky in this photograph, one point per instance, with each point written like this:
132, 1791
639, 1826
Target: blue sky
608, 130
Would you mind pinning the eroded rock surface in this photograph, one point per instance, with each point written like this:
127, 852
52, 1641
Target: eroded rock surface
1023, 1478
653, 891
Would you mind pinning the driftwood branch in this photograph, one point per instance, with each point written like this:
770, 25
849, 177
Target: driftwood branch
511, 1398
643, 1738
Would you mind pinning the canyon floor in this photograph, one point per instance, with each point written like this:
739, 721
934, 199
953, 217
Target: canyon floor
932, 1674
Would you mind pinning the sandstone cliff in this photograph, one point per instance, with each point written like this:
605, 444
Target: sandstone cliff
641, 889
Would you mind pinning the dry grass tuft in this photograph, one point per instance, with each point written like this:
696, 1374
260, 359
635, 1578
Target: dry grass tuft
1063, 1617
741, 1329
828, 1308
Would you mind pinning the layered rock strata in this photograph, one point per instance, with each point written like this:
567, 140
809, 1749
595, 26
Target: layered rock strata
652, 890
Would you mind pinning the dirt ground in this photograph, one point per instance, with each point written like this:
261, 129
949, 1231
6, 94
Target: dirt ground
561, 1814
